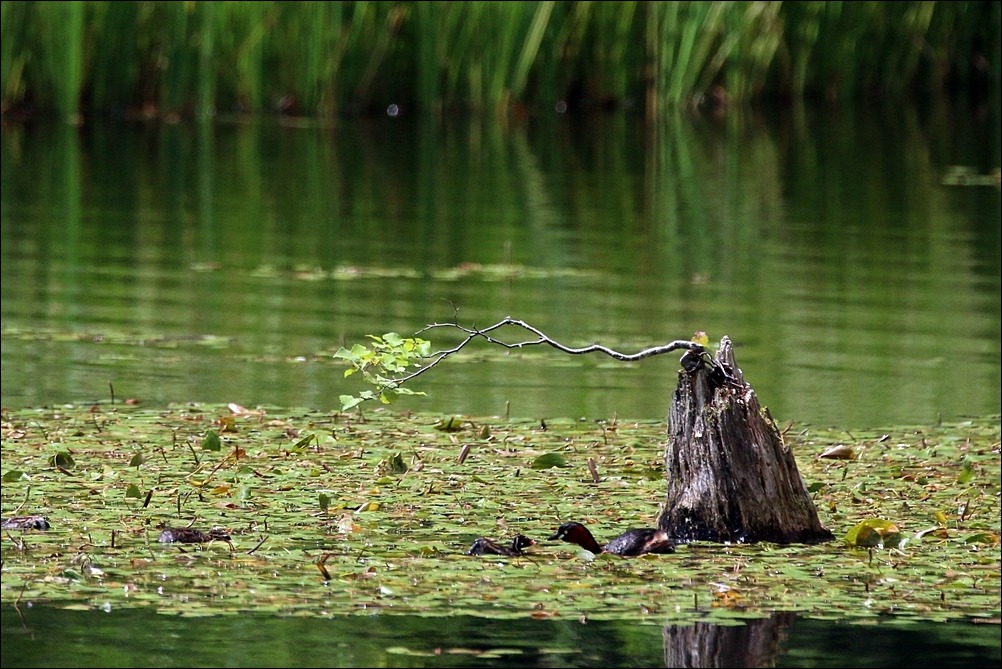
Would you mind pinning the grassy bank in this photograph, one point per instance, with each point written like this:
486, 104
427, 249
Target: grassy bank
337, 58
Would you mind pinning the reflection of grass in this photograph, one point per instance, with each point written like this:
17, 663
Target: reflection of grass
388, 506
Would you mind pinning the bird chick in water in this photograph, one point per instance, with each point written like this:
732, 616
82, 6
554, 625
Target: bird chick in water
485, 546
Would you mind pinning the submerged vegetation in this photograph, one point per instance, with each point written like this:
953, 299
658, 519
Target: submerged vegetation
354, 513
335, 58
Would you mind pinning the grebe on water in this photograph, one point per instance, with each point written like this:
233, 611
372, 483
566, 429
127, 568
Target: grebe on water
631, 542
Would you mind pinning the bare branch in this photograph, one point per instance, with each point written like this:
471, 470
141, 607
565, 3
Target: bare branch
542, 339
472, 333
489, 334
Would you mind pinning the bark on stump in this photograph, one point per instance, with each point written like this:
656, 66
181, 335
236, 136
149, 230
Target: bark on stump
730, 476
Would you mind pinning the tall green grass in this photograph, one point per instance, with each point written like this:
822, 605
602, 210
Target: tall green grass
43, 54
340, 58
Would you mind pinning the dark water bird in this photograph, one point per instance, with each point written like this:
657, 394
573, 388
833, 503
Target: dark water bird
189, 535
485, 546
638, 541
26, 523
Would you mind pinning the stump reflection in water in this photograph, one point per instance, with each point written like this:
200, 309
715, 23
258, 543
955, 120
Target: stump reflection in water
757, 643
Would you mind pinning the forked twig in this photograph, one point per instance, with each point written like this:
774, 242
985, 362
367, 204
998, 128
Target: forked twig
541, 339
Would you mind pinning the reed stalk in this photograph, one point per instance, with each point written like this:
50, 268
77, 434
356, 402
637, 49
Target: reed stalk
331, 58
61, 56
113, 63
14, 19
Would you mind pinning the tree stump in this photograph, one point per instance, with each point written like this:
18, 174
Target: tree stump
730, 476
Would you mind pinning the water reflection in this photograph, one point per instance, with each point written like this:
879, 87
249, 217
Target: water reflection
227, 262
756, 643
45, 636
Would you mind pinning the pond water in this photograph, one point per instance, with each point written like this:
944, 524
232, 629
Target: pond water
50, 637
227, 263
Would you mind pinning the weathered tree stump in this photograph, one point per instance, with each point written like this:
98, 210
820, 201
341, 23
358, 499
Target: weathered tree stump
730, 476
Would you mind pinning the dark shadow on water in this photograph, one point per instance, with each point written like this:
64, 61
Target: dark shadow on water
43, 636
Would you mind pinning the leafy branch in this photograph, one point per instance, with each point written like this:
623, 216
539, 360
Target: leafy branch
392, 360
388, 356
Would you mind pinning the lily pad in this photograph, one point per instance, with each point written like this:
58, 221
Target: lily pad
548, 460
874, 533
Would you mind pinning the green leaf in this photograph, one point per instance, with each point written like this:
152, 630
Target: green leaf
548, 460
395, 464
874, 533
966, 472
15, 475
304, 442
349, 401
63, 460
989, 538
325, 502
390, 356
450, 424
211, 442
137, 460
133, 491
